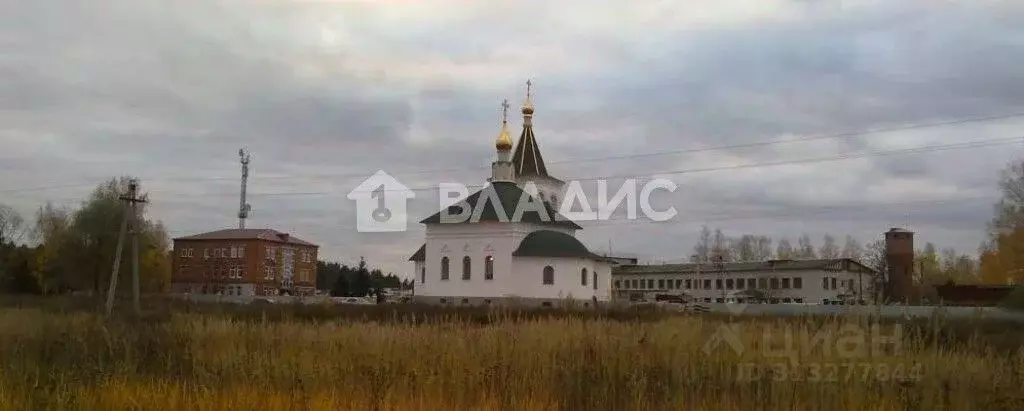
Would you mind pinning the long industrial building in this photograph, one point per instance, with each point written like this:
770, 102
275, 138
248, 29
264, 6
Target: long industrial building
818, 281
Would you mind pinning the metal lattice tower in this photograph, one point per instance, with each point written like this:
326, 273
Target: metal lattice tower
243, 207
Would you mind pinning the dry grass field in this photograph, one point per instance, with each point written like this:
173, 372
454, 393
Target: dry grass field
62, 356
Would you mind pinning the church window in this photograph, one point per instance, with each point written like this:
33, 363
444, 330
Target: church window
583, 277
444, 268
423, 275
466, 265
595, 280
549, 275
489, 267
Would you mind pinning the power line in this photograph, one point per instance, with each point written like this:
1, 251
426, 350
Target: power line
840, 135
775, 216
841, 157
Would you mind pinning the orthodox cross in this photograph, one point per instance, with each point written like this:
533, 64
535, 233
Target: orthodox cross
504, 111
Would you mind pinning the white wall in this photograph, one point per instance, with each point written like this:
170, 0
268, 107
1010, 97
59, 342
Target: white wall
475, 241
522, 277
811, 290
529, 276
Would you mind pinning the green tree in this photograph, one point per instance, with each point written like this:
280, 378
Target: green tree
78, 245
1002, 254
361, 283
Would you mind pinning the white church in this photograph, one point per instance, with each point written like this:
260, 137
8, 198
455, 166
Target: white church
515, 247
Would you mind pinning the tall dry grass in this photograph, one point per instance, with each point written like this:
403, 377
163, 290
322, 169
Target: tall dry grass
261, 359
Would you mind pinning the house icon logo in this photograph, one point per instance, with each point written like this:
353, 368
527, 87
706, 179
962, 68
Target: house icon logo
381, 204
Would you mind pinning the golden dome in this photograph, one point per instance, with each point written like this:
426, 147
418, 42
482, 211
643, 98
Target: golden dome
504, 141
528, 103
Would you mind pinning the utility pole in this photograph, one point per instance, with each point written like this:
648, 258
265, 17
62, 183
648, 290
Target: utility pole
243, 207
131, 200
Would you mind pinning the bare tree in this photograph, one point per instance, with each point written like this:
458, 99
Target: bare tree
852, 248
785, 250
702, 251
805, 247
829, 248
743, 248
874, 258
11, 225
763, 248
720, 246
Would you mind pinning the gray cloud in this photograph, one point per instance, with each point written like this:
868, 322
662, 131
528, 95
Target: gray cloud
324, 93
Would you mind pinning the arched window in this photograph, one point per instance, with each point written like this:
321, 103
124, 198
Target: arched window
595, 280
444, 268
489, 268
466, 265
583, 277
549, 275
423, 275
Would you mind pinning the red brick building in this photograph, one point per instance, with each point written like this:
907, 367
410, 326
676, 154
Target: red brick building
244, 262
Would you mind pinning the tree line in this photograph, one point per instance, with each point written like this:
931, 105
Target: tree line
74, 246
344, 281
931, 265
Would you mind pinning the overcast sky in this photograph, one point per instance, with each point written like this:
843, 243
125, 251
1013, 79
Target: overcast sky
325, 93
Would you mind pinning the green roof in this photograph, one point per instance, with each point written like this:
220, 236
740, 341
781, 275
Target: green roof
420, 255
508, 195
546, 243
